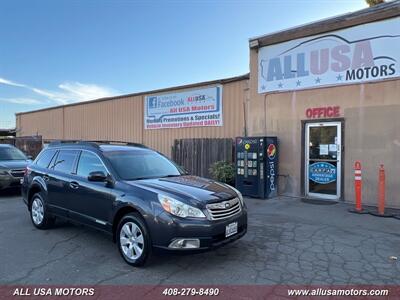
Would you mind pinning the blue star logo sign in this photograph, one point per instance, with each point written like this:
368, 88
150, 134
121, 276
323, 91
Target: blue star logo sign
318, 80
339, 77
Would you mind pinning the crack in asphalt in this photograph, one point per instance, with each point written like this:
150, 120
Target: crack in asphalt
33, 269
65, 241
112, 277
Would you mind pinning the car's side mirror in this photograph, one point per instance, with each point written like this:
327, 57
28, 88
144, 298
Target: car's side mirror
97, 176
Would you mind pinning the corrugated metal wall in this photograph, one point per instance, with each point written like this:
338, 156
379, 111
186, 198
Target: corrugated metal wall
122, 119
45, 123
118, 120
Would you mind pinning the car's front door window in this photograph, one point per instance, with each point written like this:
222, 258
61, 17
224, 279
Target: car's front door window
89, 162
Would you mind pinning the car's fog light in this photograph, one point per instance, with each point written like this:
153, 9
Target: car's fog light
185, 244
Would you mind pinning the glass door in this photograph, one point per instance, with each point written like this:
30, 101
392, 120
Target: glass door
323, 160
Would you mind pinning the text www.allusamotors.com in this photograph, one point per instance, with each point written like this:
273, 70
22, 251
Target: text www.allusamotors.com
338, 292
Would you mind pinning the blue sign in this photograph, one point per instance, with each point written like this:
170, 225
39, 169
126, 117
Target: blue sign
322, 172
193, 108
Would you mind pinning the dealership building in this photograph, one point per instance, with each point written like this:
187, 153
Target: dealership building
328, 90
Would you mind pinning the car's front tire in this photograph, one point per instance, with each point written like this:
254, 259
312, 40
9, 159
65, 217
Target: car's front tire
133, 240
40, 217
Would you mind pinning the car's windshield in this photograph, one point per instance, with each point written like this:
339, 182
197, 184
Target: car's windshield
10, 153
142, 164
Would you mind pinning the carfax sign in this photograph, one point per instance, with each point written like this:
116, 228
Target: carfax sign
195, 108
322, 172
362, 53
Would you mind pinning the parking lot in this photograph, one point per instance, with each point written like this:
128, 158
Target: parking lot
288, 241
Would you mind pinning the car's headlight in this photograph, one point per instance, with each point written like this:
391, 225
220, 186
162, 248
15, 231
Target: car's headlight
239, 194
4, 172
179, 208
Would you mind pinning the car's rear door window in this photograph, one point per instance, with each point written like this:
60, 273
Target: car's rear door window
89, 162
65, 161
45, 158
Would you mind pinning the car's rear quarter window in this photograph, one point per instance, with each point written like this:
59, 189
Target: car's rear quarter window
44, 159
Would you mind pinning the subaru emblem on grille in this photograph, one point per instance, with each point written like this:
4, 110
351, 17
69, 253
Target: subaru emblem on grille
227, 205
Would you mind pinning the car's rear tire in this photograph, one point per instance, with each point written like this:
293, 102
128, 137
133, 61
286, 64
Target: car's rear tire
133, 239
40, 217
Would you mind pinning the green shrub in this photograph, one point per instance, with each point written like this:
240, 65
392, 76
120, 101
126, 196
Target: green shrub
223, 171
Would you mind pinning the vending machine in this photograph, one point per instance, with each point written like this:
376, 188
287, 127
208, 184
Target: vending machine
257, 166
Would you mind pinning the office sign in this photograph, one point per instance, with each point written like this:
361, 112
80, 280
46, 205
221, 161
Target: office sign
195, 108
362, 53
323, 112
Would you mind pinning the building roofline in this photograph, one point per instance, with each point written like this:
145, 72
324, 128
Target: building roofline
367, 15
180, 87
7, 130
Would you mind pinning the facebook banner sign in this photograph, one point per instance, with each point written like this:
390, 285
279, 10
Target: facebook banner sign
363, 53
195, 108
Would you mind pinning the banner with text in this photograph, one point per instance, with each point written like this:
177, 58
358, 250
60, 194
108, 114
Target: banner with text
195, 108
362, 53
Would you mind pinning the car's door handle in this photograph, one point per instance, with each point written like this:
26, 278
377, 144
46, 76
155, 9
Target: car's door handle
46, 178
74, 185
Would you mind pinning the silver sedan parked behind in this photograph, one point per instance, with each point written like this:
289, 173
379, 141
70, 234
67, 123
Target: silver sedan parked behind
12, 166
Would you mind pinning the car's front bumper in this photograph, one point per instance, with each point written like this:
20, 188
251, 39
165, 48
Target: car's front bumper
166, 228
8, 181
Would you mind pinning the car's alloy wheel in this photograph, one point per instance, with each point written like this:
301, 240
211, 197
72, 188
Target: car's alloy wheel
40, 217
133, 239
37, 211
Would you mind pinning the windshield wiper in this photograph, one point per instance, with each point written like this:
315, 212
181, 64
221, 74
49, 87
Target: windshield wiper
171, 175
153, 177
142, 178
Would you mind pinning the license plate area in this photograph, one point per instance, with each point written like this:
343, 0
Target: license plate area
231, 229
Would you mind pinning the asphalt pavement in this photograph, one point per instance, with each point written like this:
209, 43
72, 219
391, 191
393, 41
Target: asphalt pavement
288, 242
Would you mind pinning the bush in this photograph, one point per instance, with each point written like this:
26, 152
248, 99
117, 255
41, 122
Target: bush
223, 171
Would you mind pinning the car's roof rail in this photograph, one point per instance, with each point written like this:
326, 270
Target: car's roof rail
123, 143
72, 142
95, 143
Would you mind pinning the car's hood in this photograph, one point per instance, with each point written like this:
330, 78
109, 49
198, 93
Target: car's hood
14, 164
188, 188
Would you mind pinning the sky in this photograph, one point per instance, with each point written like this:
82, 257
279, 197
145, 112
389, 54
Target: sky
64, 51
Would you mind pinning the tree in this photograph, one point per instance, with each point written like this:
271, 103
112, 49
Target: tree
374, 2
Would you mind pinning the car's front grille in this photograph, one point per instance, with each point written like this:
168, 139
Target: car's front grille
17, 173
224, 209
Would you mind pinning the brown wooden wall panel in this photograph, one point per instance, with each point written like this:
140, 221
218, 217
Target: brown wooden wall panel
197, 155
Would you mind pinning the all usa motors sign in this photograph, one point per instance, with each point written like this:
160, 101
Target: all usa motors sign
195, 108
362, 53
